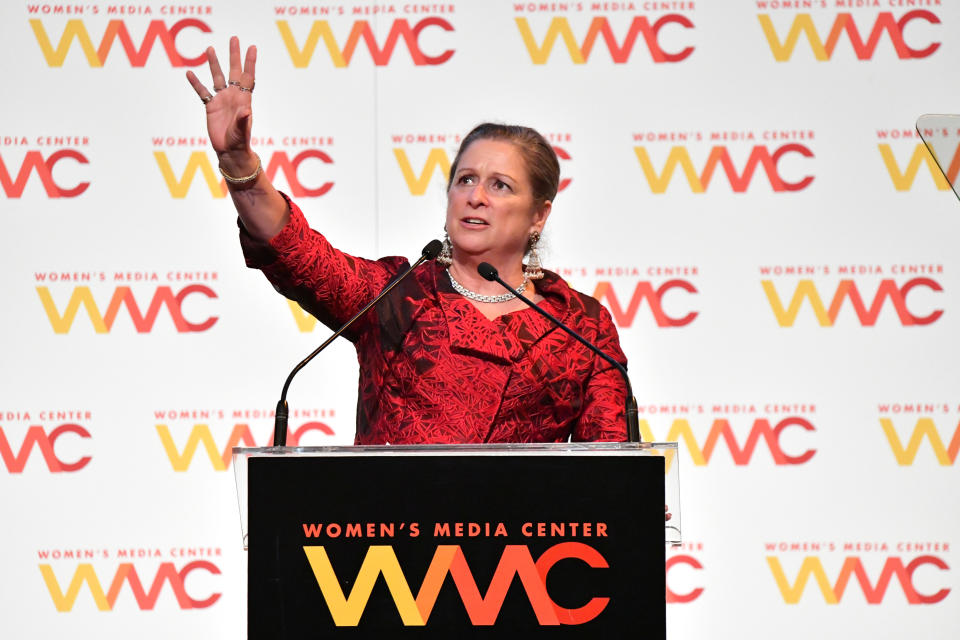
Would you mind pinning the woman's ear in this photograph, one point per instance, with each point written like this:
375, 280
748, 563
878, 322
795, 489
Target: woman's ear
540, 215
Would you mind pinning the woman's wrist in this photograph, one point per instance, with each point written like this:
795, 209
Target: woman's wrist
239, 164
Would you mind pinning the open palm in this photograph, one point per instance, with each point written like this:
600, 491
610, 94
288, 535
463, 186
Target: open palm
229, 113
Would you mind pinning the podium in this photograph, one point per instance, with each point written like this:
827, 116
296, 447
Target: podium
482, 541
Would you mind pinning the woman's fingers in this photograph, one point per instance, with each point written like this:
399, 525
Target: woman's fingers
197, 85
235, 71
249, 68
215, 71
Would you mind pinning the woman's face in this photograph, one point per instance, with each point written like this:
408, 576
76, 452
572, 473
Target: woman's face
490, 206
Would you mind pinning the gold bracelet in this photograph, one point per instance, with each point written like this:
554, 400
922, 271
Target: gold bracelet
245, 179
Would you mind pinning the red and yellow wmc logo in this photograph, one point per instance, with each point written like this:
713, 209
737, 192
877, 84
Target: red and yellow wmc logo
720, 428
923, 428
39, 438
904, 175
137, 56
278, 162
361, 30
240, 435
381, 560
166, 574
852, 567
600, 26
739, 181
844, 23
123, 297
847, 290
437, 163
35, 162
624, 317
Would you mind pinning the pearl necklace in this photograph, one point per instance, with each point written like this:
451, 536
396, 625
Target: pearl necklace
503, 297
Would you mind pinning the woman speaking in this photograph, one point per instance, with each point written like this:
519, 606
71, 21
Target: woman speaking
447, 356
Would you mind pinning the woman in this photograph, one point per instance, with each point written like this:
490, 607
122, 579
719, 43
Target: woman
448, 356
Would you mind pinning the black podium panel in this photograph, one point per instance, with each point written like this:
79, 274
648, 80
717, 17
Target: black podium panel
481, 546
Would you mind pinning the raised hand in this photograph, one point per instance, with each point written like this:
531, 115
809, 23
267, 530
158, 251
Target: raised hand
229, 113
261, 208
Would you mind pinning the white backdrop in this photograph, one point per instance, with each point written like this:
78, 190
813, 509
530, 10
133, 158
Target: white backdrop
746, 193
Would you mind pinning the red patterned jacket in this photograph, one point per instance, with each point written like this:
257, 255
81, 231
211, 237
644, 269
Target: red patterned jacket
433, 369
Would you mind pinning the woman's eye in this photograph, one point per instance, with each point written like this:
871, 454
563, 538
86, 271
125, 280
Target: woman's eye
500, 185
466, 179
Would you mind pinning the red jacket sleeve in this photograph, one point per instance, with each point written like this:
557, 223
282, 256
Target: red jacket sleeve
302, 265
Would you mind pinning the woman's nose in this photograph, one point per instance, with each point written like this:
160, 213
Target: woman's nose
477, 196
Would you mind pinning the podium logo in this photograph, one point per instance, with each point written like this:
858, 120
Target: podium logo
739, 181
924, 428
600, 27
341, 56
123, 297
75, 29
761, 428
844, 24
278, 162
848, 290
903, 176
166, 574
180, 460
437, 163
691, 563
34, 162
624, 317
449, 559
38, 438
873, 593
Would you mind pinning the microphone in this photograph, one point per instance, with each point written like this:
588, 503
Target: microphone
489, 272
280, 420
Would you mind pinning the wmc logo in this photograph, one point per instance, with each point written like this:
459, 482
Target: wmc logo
904, 154
297, 166
739, 174
866, 301
143, 315
360, 30
116, 32
740, 436
44, 440
912, 424
515, 561
42, 163
240, 435
601, 29
845, 28
853, 574
624, 316
128, 578
142, 303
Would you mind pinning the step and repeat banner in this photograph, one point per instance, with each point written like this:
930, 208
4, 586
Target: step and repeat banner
743, 188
